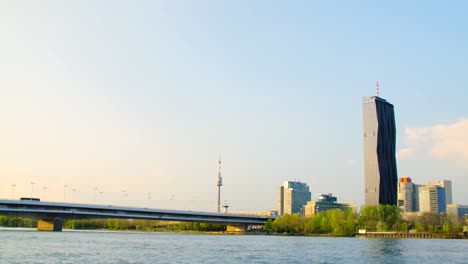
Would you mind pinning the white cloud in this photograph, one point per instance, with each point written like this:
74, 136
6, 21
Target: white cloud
405, 153
440, 141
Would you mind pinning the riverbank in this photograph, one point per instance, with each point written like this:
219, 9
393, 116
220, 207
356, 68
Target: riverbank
393, 235
423, 235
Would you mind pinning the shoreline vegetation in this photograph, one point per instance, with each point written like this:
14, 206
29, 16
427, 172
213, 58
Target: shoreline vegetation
378, 221
374, 220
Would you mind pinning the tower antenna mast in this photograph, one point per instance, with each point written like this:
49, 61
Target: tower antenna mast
219, 183
377, 86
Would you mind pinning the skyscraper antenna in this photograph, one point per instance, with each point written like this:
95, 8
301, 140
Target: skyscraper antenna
377, 86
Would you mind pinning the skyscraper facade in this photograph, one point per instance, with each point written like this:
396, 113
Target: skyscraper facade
380, 170
292, 197
281, 200
432, 199
447, 185
406, 194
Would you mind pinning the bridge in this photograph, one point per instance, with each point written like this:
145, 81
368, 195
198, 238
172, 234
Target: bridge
51, 214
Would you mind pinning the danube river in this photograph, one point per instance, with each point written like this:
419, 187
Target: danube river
30, 246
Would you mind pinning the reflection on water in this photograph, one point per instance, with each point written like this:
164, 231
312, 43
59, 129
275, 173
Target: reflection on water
28, 246
385, 251
390, 247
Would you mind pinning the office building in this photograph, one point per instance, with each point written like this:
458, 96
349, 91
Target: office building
457, 210
292, 196
447, 185
416, 197
380, 169
325, 202
406, 195
432, 199
280, 201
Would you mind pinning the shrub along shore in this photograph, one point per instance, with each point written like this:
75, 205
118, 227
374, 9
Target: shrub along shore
119, 225
383, 218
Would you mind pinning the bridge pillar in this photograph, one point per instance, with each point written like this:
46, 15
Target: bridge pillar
50, 225
236, 228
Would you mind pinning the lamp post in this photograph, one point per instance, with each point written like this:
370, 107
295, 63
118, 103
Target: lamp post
64, 192
125, 195
149, 199
32, 188
73, 192
13, 191
94, 194
43, 192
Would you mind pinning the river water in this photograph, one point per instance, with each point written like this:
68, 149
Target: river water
31, 246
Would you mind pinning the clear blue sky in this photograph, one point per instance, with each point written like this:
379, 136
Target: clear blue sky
138, 97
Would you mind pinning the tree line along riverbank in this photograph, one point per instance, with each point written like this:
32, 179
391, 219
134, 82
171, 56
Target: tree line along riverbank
119, 225
382, 218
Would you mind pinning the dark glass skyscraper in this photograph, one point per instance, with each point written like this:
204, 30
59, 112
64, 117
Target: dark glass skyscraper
380, 170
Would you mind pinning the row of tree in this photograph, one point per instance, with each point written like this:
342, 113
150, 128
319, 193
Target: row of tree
119, 224
142, 225
17, 222
331, 223
372, 218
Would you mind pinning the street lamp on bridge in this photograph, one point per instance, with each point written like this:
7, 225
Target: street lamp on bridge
64, 191
73, 192
95, 194
125, 196
13, 191
32, 188
100, 196
148, 195
43, 192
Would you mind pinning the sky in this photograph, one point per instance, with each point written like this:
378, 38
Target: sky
133, 102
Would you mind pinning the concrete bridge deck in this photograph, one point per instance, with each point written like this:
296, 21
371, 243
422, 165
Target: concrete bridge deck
53, 213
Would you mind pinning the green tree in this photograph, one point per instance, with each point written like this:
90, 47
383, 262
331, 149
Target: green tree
325, 226
350, 226
368, 217
447, 228
268, 225
15, 222
418, 227
404, 227
312, 225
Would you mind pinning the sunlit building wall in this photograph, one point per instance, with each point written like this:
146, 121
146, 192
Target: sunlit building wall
406, 194
457, 210
447, 185
432, 199
292, 197
280, 200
